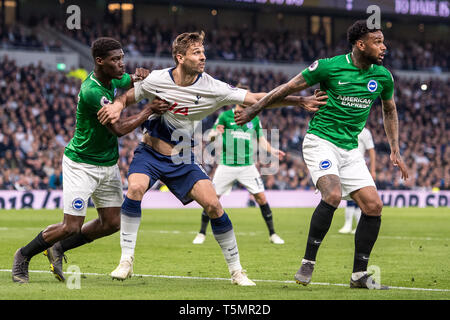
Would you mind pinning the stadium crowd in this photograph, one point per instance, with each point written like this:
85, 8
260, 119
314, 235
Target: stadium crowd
244, 44
37, 120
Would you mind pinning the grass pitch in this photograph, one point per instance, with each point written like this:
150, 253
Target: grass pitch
412, 254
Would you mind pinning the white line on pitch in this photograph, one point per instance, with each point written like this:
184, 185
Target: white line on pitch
228, 279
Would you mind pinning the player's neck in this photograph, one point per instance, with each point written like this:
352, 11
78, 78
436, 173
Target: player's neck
103, 78
359, 61
182, 78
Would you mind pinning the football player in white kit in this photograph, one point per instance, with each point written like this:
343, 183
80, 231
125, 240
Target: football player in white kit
193, 95
365, 143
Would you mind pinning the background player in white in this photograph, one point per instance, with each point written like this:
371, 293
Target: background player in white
352, 210
193, 95
237, 164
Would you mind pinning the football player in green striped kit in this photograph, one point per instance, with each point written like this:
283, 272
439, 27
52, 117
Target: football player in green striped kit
90, 164
352, 82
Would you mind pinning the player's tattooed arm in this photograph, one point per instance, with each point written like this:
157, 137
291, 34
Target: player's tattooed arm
111, 112
126, 125
274, 97
390, 120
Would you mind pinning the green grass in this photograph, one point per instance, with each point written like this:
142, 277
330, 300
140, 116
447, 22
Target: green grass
412, 251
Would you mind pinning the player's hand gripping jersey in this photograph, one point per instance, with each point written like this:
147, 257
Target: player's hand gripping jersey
189, 104
92, 142
351, 92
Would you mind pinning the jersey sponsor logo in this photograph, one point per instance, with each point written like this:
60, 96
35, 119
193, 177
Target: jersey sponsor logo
231, 87
355, 101
104, 101
372, 85
198, 98
78, 204
341, 83
325, 164
313, 65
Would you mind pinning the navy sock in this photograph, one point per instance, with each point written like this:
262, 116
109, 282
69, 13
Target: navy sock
131, 208
221, 225
205, 222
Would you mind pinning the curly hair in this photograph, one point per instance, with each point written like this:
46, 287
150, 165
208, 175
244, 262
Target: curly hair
357, 30
101, 46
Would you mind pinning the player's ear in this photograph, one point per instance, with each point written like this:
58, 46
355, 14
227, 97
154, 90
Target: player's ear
99, 61
180, 58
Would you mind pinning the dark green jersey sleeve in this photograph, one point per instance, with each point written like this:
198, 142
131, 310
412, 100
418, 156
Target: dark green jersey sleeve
93, 99
388, 87
125, 82
317, 72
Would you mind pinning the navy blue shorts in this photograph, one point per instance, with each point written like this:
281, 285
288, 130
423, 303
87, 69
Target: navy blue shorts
351, 203
179, 178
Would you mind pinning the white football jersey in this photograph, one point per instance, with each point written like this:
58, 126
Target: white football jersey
365, 141
189, 104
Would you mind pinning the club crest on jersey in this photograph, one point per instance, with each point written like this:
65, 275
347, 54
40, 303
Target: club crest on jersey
325, 164
250, 125
372, 86
313, 65
104, 101
78, 204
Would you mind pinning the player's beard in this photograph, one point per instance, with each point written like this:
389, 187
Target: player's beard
371, 58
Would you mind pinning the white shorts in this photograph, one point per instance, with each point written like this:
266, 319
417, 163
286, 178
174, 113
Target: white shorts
324, 158
248, 176
82, 180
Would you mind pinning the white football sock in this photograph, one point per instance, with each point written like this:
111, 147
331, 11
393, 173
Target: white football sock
357, 214
228, 244
348, 217
129, 227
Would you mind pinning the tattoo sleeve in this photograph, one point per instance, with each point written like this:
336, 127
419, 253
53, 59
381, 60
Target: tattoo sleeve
297, 83
390, 120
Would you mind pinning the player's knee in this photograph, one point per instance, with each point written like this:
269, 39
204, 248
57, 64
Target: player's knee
374, 208
213, 209
69, 230
333, 197
136, 191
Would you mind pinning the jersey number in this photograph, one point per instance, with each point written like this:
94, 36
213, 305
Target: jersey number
184, 111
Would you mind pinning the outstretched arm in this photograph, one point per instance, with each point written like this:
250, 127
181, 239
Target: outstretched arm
126, 125
267, 146
390, 120
275, 96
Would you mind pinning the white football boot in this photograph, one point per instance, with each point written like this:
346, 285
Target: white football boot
124, 270
240, 278
275, 239
199, 238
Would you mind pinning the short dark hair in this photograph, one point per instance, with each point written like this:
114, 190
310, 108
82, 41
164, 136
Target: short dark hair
358, 30
101, 47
